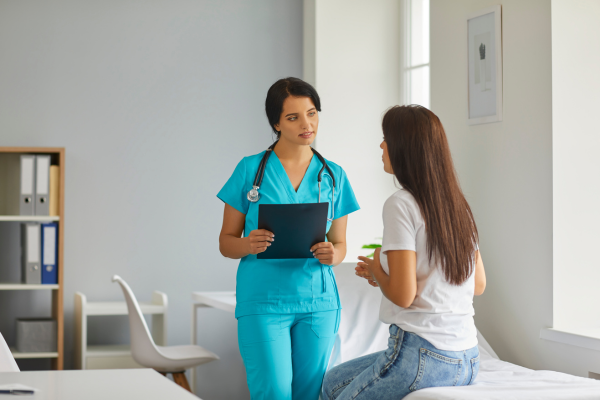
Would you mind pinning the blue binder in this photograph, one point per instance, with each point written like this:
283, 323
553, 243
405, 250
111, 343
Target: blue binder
50, 253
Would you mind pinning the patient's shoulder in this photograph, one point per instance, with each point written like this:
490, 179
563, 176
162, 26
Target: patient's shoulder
402, 198
402, 203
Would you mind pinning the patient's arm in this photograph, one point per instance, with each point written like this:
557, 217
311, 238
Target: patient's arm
479, 275
400, 286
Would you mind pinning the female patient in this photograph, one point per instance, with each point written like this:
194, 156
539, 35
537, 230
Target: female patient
428, 270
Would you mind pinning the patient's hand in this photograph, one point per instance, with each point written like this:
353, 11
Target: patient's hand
363, 272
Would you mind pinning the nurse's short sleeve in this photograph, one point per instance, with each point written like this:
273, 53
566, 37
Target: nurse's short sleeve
345, 201
399, 232
235, 190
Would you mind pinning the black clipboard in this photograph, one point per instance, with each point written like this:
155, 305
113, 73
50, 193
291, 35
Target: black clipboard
297, 227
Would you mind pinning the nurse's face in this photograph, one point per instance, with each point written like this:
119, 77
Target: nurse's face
299, 121
387, 166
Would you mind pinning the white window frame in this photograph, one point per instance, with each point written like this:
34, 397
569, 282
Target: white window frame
405, 55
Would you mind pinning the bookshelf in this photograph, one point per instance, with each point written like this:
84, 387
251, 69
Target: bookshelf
57, 156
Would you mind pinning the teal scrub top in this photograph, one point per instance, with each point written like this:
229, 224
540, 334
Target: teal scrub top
291, 285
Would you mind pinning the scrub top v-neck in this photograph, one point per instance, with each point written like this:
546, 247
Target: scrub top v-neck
289, 285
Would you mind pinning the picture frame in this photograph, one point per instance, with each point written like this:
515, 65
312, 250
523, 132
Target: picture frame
484, 71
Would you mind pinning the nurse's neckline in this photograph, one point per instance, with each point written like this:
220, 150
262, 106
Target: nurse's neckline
304, 168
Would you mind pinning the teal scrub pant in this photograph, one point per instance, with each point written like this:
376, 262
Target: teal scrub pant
286, 355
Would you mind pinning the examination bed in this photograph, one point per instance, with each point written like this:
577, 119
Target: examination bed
362, 333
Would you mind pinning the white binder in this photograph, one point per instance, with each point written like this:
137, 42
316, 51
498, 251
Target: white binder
27, 201
30, 253
42, 185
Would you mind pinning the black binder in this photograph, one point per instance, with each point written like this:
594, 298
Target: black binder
297, 227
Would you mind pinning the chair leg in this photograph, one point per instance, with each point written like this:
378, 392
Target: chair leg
181, 380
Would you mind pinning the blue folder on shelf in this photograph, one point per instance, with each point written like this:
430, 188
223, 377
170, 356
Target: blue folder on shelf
50, 253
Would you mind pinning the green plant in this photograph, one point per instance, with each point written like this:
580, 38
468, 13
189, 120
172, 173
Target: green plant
371, 246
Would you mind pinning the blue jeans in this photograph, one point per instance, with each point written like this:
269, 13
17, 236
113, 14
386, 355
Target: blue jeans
410, 363
286, 355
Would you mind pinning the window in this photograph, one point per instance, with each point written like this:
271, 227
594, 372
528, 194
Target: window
415, 54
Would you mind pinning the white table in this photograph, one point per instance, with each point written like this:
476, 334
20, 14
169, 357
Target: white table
221, 300
103, 384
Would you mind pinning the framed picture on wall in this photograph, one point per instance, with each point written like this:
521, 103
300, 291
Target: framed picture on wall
484, 38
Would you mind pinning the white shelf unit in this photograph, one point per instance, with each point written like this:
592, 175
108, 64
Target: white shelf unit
17, 354
24, 286
27, 218
114, 356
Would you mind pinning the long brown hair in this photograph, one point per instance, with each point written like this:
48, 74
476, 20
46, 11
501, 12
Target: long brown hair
422, 163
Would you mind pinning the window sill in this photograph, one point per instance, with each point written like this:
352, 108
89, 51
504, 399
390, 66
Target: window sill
588, 338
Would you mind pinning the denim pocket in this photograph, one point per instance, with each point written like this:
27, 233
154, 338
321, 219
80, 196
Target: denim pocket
436, 370
394, 343
325, 323
259, 328
474, 369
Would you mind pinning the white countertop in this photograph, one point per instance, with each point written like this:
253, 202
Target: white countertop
106, 384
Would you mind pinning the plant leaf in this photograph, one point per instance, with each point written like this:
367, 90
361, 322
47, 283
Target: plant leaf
371, 246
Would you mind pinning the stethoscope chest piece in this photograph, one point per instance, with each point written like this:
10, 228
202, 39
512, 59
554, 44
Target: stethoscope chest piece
253, 194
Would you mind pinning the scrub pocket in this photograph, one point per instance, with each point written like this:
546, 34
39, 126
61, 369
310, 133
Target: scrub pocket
436, 370
259, 328
325, 323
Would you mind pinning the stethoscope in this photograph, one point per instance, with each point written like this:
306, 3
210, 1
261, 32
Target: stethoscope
253, 194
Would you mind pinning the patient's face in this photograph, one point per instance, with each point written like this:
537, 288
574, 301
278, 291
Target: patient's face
387, 166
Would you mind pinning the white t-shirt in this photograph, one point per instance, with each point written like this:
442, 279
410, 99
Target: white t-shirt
441, 313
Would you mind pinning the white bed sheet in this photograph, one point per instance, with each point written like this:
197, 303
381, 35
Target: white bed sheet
362, 333
498, 379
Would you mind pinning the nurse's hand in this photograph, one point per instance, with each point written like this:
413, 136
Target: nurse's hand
259, 240
324, 252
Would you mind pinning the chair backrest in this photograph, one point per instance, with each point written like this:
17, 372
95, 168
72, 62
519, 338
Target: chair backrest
7, 361
143, 349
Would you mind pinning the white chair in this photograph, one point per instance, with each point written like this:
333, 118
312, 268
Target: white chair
164, 359
7, 361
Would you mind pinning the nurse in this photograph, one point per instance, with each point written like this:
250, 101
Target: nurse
288, 310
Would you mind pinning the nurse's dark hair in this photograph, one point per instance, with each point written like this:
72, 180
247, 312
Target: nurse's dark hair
422, 163
280, 91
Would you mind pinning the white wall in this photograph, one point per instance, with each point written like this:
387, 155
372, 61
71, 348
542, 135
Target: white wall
155, 102
352, 53
576, 169
506, 173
